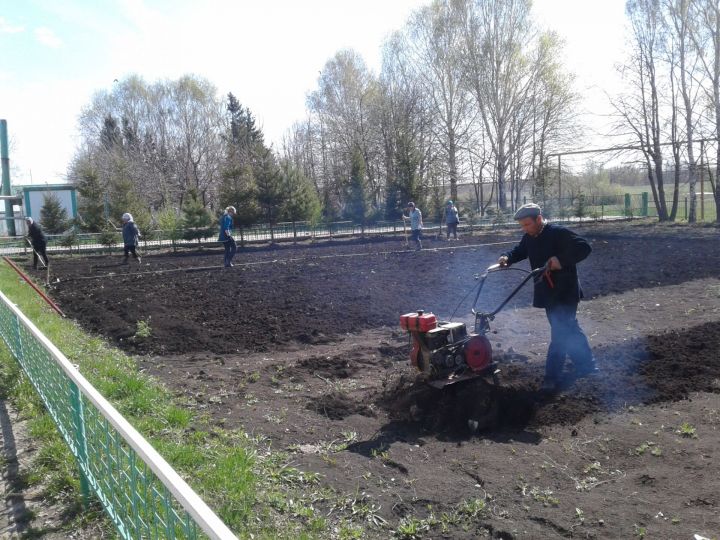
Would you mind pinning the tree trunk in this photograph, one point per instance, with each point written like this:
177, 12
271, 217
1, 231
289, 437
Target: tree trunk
452, 164
501, 169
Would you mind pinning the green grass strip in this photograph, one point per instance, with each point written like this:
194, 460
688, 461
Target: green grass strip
253, 490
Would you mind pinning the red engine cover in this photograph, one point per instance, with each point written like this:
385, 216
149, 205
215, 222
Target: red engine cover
418, 321
478, 353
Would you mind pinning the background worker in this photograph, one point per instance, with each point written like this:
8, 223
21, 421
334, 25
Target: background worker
131, 237
452, 219
226, 227
559, 250
38, 241
416, 224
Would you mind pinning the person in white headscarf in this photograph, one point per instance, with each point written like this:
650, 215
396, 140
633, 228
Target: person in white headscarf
131, 237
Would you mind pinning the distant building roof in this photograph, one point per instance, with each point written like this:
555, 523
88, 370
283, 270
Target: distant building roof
43, 187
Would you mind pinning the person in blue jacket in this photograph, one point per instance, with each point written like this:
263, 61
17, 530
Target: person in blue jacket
558, 291
131, 236
226, 227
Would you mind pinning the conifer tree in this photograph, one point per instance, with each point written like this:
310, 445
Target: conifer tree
357, 197
52, 214
170, 225
196, 220
269, 185
91, 206
301, 200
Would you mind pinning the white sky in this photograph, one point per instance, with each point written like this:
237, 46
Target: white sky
55, 54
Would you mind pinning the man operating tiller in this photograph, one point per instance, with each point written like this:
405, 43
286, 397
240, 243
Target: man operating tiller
558, 250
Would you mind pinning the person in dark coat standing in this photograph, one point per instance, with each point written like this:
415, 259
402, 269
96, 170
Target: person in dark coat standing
452, 219
131, 237
38, 241
226, 227
558, 291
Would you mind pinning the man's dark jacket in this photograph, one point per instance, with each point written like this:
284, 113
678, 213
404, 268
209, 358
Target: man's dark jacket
569, 248
36, 234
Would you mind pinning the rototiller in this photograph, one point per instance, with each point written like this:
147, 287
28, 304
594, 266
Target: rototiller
444, 351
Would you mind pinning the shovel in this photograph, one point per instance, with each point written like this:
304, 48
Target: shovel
407, 242
47, 268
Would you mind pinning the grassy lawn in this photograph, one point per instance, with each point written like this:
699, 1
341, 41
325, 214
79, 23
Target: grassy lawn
253, 489
708, 215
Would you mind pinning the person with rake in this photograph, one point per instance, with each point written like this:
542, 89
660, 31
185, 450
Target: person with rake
131, 236
38, 241
558, 291
226, 227
416, 224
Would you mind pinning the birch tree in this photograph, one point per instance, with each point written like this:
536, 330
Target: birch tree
705, 35
434, 47
154, 141
498, 35
639, 109
405, 128
344, 104
684, 60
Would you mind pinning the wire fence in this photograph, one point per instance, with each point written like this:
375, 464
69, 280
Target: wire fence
144, 497
630, 205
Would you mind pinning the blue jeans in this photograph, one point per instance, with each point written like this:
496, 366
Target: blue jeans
416, 236
566, 339
230, 249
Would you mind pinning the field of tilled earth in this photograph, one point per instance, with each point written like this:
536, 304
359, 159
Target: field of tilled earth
301, 343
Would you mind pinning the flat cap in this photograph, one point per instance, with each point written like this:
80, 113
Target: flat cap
528, 210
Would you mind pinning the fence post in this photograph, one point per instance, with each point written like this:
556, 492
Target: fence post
627, 205
644, 209
80, 441
686, 209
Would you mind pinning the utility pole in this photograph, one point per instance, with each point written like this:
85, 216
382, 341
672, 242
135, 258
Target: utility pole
5, 159
702, 183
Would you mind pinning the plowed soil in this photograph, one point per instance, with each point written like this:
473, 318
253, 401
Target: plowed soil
301, 344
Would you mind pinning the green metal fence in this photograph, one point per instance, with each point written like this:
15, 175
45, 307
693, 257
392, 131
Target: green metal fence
144, 497
585, 208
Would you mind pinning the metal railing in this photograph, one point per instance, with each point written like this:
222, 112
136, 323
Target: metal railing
279, 232
570, 209
143, 495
